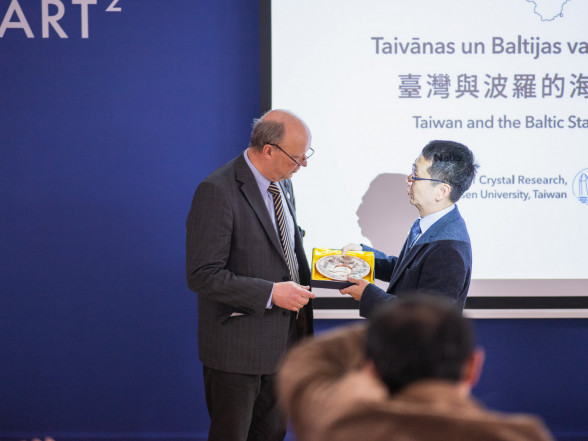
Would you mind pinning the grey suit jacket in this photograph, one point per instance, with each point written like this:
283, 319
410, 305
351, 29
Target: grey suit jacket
440, 262
233, 258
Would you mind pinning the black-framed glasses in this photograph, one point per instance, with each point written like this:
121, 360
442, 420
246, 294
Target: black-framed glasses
414, 177
310, 149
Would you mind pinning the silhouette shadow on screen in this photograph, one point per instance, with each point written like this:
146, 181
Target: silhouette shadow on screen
385, 213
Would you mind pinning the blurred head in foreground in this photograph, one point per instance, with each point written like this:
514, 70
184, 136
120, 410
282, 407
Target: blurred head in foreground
423, 338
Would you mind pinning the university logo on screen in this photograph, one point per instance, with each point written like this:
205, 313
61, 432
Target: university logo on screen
580, 186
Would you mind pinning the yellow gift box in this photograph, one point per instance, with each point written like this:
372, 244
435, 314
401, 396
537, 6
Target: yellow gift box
320, 281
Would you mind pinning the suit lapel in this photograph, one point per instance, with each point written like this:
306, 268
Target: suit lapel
406, 258
403, 260
250, 190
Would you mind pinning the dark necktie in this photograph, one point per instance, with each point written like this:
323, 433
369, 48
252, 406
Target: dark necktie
283, 232
415, 230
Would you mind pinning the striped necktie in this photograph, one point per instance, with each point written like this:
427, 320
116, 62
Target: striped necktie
283, 232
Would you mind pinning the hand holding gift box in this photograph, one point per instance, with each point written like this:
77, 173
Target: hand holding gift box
331, 269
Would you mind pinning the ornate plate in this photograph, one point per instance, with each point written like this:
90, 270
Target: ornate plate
340, 267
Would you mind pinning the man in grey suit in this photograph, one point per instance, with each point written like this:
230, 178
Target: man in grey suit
244, 258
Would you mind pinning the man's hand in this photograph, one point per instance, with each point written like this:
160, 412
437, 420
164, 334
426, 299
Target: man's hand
350, 247
290, 295
355, 291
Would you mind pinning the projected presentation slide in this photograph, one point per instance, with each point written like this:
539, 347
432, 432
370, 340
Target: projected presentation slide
377, 80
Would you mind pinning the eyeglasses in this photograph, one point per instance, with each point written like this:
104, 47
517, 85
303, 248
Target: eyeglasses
306, 156
413, 177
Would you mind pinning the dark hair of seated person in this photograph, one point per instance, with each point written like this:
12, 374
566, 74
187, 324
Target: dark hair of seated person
418, 338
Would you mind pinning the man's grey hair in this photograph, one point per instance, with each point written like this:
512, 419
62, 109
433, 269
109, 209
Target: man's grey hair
266, 132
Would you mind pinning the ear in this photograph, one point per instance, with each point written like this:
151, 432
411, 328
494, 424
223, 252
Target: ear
472, 369
443, 192
267, 151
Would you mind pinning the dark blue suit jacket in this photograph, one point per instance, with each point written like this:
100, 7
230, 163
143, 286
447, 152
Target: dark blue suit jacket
440, 262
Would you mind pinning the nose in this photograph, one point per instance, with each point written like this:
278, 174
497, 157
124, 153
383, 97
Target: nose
409, 179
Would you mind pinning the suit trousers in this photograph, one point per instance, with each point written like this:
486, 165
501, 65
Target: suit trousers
242, 407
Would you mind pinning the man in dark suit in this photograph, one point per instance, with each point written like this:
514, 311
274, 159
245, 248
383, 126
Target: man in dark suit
437, 256
244, 258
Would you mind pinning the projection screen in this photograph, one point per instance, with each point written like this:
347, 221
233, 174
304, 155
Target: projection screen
376, 80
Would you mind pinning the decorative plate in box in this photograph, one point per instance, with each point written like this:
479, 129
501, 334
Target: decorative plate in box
330, 269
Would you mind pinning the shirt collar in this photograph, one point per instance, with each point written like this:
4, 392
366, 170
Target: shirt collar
430, 219
262, 182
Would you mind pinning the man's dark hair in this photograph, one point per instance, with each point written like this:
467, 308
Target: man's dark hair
453, 163
266, 132
418, 338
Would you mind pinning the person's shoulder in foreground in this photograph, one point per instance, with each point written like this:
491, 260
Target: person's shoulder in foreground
406, 374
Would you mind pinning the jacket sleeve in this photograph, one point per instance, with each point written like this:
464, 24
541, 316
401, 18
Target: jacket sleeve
372, 297
209, 231
383, 265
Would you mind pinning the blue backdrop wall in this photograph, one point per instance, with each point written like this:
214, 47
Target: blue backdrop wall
104, 136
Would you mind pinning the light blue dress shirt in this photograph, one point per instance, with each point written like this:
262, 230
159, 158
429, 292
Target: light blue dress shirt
428, 221
263, 183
